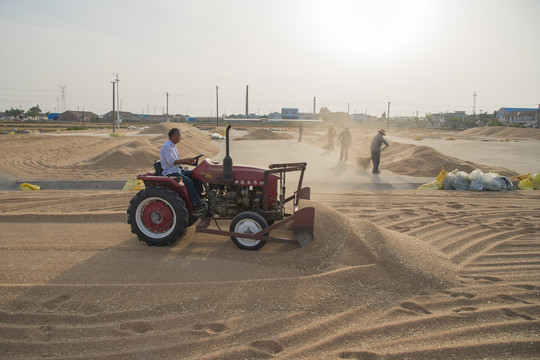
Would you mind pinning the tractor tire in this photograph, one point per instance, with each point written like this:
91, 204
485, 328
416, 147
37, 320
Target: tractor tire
158, 216
248, 223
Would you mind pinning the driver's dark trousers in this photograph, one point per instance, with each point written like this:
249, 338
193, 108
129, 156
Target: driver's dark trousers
193, 186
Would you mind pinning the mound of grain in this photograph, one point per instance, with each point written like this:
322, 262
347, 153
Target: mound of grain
412, 160
424, 161
386, 258
265, 134
164, 127
194, 141
219, 130
501, 132
138, 152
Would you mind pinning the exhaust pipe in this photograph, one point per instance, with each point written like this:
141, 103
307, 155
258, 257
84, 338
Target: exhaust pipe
227, 162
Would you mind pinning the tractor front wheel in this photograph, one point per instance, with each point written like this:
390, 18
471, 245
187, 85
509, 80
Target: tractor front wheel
248, 223
158, 216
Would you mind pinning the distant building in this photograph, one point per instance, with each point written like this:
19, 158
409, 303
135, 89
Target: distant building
525, 117
435, 120
274, 116
507, 110
365, 119
72, 115
339, 118
289, 113
124, 115
308, 116
361, 118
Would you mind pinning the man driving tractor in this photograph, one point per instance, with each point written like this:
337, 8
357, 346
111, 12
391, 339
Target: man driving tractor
172, 166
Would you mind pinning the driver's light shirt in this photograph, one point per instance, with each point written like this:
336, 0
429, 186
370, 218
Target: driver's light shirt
167, 155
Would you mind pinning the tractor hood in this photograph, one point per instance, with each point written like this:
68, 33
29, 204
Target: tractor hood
212, 173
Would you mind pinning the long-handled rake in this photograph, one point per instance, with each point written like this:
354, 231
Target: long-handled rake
364, 162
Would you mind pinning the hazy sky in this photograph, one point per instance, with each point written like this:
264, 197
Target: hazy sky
425, 56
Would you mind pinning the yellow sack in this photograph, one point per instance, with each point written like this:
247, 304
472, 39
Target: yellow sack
434, 185
442, 175
525, 184
134, 184
536, 181
520, 177
27, 187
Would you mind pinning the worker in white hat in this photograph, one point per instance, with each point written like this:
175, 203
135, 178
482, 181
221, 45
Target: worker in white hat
376, 145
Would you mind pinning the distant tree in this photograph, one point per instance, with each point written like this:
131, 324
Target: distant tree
14, 112
454, 122
469, 122
33, 111
516, 125
483, 119
430, 119
324, 111
494, 121
383, 116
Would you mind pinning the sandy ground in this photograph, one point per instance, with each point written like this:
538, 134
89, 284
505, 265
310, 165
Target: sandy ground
392, 273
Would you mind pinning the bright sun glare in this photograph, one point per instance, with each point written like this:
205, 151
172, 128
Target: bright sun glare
374, 29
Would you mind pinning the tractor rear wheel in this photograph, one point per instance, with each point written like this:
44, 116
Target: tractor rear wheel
158, 216
248, 223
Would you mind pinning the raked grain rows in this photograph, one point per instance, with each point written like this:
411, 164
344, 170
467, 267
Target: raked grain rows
493, 314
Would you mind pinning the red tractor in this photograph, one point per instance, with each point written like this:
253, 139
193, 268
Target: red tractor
254, 198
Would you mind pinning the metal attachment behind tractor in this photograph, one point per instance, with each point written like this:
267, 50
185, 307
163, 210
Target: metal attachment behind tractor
303, 219
302, 228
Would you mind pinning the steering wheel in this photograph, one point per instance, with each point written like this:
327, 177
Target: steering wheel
196, 158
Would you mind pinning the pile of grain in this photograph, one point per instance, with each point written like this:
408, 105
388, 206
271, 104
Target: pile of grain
194, 141
414, 160
265, 134
138, 152
383, 257
143, 151
501, 132
164, 127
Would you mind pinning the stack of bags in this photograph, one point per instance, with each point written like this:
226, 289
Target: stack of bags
477, 180
528, 182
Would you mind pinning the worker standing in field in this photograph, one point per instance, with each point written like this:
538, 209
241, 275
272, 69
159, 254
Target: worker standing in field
376, 145
346, 139
331, 134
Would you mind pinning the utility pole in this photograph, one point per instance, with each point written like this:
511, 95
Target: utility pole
63, 108
117, 100
538, 118
474, 107
217, 108
388, 117
113, 103
314, 111
247, 109
167, 106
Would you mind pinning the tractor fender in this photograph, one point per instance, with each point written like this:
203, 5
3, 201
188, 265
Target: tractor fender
169, 182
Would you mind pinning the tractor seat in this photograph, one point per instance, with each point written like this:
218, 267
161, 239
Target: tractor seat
158, 169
